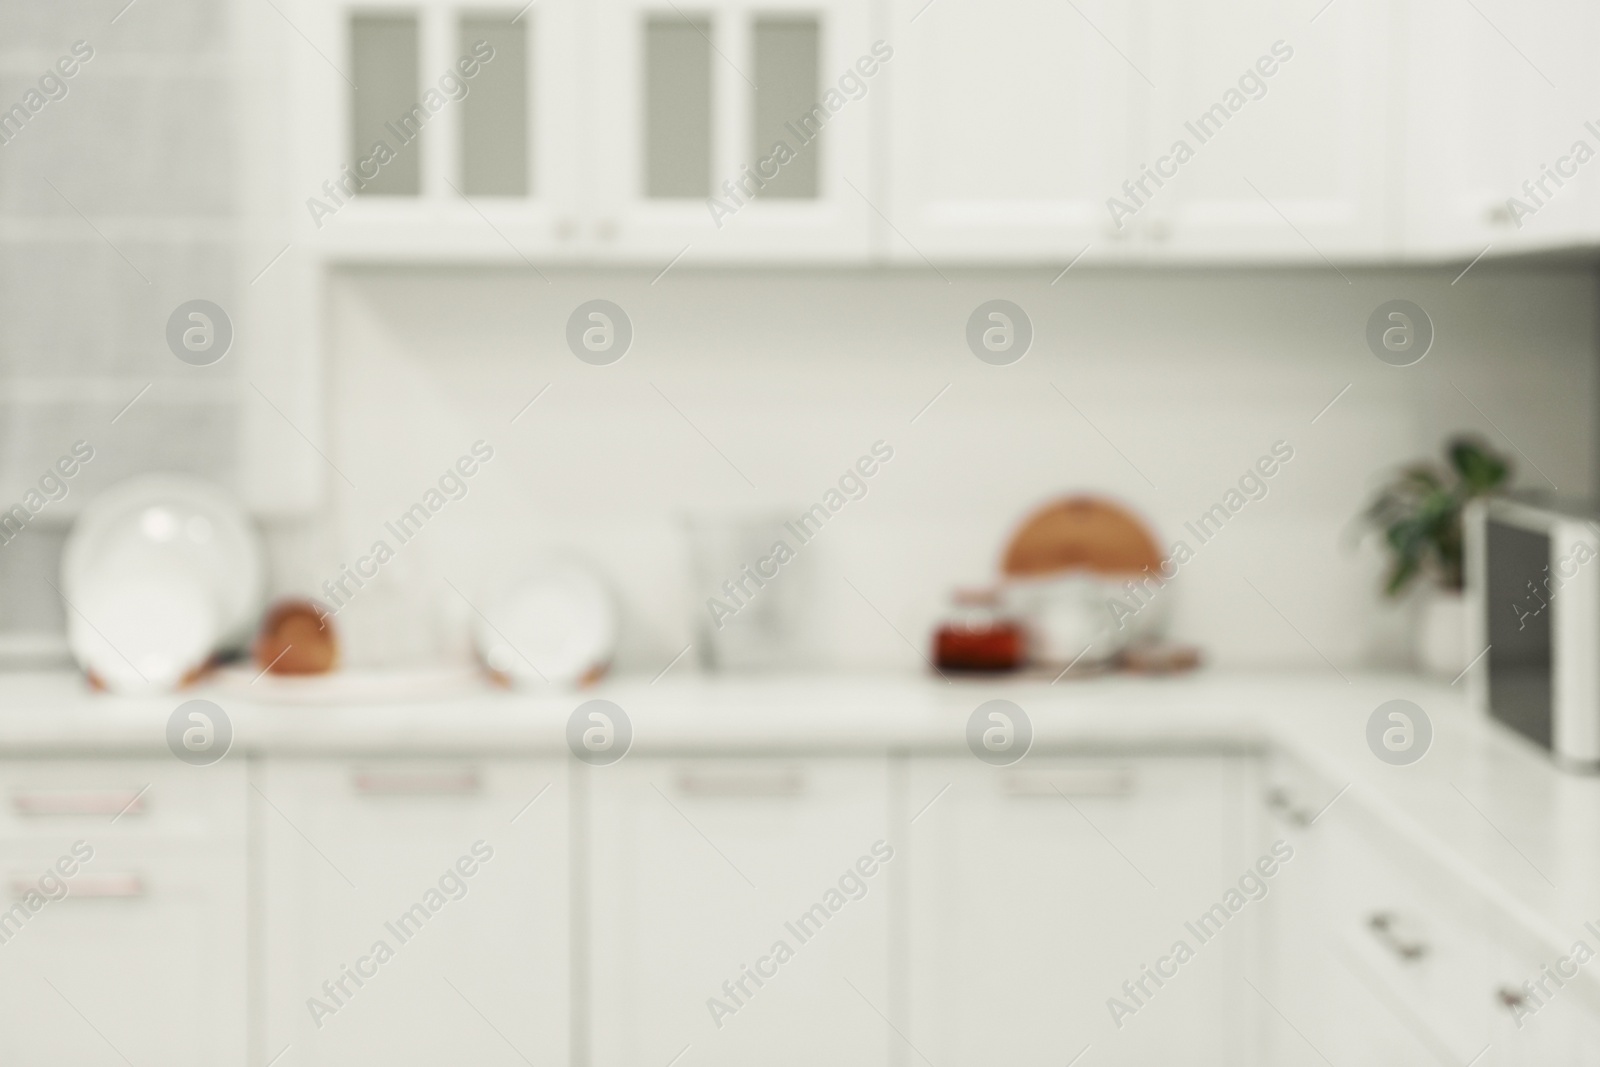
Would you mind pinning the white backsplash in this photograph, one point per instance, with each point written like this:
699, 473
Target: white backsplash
1178, 380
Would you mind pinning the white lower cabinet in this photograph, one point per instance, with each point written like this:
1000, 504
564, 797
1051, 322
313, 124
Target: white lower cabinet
738, 911
123, 929
1327, 1000
415, 913
1384, 956
1559, 1025
866, 911
1038, 890
1381, 960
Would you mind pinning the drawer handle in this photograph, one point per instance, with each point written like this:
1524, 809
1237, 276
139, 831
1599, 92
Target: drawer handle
1383, 926
786, 783
1071, 782
417, 783
46, 803
87, 887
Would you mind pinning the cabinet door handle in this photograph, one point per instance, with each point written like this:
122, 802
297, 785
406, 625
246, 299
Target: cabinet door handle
87, 887
1070, 782
757, 782
56, 802
461, 782
1383, 925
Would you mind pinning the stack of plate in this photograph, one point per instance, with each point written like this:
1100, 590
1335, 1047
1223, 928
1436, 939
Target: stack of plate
159, 573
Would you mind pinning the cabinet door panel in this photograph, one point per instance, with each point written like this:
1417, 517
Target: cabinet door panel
1036, 891
1497, 95
1008, 127
701, 868
1290, 128
448, 867
121, 799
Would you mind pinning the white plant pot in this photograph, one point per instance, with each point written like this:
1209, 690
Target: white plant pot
1442, 634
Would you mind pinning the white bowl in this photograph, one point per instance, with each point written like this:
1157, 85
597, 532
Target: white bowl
1069, 616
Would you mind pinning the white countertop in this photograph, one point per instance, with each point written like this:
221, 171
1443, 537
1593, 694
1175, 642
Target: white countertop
1488, 805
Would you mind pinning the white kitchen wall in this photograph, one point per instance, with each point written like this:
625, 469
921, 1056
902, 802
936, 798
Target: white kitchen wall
1157, 387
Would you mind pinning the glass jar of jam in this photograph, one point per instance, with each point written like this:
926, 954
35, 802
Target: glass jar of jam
977, 635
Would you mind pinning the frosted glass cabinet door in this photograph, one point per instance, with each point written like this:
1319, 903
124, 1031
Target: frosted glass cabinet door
734, 132
1275, 133
461, 142
1007, 127
416, 912
1037, 891
702, 869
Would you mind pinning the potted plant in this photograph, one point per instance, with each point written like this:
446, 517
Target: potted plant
1419, 515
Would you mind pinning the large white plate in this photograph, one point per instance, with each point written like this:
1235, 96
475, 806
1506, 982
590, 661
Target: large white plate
557, 625
159, 571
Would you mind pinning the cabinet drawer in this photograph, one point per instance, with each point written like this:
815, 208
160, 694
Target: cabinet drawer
50, 800
1452, 968
1387, 932
1419, 944
142, 947
1538, 1020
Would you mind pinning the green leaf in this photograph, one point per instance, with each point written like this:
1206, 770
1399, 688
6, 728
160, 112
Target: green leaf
1419, 512
1480, 469
1400, 576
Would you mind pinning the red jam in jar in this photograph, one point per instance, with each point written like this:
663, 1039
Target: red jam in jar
977, 636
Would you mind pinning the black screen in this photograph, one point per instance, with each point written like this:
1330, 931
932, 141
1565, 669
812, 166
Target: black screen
1519, 617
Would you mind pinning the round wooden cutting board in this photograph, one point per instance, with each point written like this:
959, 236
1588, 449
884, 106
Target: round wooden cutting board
1080, 533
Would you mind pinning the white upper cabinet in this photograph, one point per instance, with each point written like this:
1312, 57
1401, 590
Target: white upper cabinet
649, 132
1498, 98
432, 131
1269, 132
732, 131
1007, 128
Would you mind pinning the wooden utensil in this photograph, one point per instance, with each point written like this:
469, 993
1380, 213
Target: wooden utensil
1081, 533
